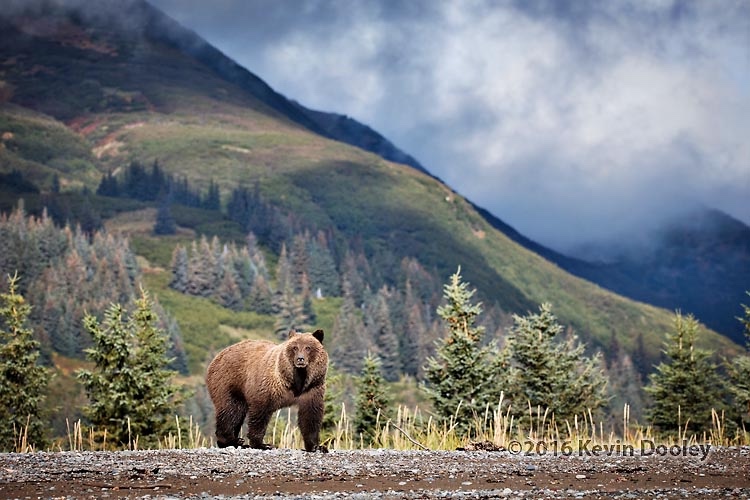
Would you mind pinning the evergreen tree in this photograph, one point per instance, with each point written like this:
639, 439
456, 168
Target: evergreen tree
353, 269
373, 403
284, 279
380, 329
183, 193
213, 198
89, 218
324, 278
108, 186
625, 383
551, 374
23, 382
135, 184
256, 256
460, 380
414, 336
288, 306
739, 376
217, 262
349, 338
130, 390
28, 245
156, 182
200, 269
176, 351
157, 398
686, 387
244, 270
260, 299
289, 314
179, 269
228, 293
165, 223
308, 311
298, 261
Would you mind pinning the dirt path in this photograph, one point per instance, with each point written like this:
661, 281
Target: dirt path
202, 473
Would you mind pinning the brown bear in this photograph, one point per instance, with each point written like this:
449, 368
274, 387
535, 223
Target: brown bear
252, 379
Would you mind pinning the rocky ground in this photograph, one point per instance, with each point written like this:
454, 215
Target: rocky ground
203, 473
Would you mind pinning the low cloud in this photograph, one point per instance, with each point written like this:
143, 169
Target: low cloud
572, 121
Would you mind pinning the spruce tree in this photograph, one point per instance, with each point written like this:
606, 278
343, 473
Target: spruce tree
179, 269
686, 387
373, 403
288, 306
130, 389
299, 261
23, 382
306, 300
460, 379
739, 376
289, 314
549, 373
165, 223
349, 339
157, 398
89, 218
201, 269
284, 278
213, 197
380, 328
228, 293
413, 340
324, 278
260, 299
244, 270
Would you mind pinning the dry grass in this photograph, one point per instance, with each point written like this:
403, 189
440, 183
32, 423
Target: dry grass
412, 429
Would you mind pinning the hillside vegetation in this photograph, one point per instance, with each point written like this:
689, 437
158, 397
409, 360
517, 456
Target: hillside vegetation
88, 96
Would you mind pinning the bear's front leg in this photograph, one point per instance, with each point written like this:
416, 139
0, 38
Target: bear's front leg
257, 422
311, 407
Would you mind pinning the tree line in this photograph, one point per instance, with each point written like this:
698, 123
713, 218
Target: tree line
394, 321
132, 398
131, 394
535, 368
68, 273
141, 183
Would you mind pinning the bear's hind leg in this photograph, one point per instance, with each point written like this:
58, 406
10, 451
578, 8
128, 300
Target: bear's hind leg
229, 423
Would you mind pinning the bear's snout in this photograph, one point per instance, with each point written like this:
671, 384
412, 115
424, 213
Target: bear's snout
300, 361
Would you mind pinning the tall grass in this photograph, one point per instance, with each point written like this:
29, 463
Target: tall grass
496, 428
88, 438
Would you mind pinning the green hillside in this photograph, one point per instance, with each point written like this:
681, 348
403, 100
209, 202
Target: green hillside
86, 96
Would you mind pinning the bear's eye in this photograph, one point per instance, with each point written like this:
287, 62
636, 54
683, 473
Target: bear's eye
307, 348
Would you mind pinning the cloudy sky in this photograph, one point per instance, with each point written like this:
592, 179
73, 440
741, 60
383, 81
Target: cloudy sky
571, 120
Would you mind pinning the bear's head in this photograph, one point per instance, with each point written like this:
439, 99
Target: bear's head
304, 349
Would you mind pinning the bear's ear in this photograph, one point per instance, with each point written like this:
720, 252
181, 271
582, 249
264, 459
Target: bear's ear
292, 333
318, 334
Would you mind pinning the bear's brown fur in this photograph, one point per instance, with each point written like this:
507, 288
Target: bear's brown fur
252, 379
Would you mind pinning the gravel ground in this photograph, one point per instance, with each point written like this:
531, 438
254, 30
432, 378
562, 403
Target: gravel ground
243, 473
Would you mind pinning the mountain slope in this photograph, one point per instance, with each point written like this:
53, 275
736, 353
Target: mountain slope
698, 264
128, 83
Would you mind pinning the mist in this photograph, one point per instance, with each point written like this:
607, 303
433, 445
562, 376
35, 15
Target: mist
575, 122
